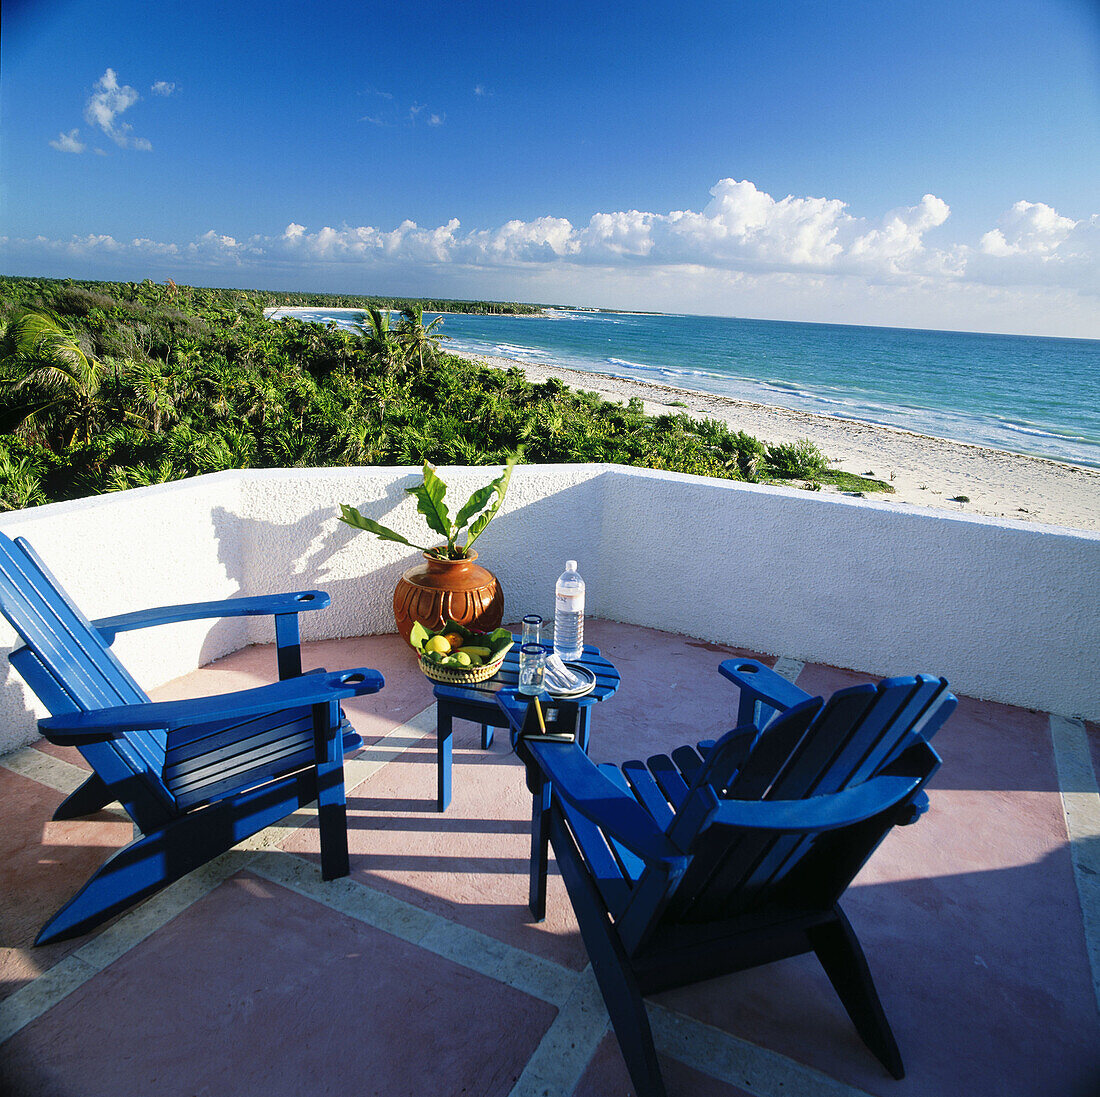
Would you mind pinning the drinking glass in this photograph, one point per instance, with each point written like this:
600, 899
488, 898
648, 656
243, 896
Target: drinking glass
532, 668
532, 626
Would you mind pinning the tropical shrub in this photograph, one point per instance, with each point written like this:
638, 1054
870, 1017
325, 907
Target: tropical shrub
800, 460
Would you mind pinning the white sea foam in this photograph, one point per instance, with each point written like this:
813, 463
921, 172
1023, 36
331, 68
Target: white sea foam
667, 371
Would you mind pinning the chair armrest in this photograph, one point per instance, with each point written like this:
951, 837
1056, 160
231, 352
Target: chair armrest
576, 780
75, 728
818, 813
291, 602
759, 684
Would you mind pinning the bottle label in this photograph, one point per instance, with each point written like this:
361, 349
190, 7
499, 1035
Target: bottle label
570, 603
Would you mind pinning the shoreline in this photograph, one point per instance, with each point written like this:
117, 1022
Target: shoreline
923, 470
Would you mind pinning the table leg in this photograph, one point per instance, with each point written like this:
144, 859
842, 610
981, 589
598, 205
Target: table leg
540, 848
583, 716
443, 758
486, 736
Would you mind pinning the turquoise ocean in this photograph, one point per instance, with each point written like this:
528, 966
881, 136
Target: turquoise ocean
1025, 394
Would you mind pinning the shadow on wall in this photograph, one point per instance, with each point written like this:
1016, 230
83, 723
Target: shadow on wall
273, 557
525, 546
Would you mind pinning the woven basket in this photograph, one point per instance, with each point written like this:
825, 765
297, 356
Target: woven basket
467, 676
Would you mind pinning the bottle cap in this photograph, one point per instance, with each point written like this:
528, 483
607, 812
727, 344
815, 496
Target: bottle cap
570, 565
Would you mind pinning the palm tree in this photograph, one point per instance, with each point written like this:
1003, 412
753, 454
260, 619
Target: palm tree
60, 383
415, 337
380, 341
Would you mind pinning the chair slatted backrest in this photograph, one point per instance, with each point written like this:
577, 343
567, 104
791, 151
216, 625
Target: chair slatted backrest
69, 666
813, 749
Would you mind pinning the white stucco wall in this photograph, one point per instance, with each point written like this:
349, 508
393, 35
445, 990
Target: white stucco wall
1007, 611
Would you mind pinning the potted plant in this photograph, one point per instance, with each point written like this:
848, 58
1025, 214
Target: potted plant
449, 585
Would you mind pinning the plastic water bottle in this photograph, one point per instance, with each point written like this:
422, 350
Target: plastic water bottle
569, 613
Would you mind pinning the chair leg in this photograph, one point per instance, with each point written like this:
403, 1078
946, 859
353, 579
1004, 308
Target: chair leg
182, 844
839, 951
443, 751
540, 848
611, 966
92, 795
332, 812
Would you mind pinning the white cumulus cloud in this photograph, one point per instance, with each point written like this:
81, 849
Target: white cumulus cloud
743, 226
163, 87
1028, 228
897, 245
741, 250
68, 142
110, 99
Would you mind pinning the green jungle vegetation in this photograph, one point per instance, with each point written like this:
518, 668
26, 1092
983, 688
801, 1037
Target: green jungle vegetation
397, 304
106, 386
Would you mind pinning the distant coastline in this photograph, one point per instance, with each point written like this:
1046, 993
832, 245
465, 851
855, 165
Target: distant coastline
971, 388
923, 470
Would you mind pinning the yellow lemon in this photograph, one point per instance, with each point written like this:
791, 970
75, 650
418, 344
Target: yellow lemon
438, 644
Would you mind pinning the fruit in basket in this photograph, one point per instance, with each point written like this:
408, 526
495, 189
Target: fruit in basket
456, 648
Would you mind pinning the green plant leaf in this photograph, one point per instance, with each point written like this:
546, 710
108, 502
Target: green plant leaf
500, 640
500, 486
429, 495
353, 518
418, 636
478, 501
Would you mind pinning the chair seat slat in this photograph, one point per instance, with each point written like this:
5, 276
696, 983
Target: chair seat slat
688, 763
647, 793
253, 752
222, 740
276, 763
668, 779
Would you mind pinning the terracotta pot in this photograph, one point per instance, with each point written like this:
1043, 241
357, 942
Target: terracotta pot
438, 589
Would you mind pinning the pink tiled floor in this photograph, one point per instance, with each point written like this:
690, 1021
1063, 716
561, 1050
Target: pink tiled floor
971, 921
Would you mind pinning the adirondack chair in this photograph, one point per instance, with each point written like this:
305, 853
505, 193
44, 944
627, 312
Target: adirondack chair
196, 776
736, 854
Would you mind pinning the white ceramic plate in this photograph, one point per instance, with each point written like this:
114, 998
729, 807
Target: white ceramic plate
587, 686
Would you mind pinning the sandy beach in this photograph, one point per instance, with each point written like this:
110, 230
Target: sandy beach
923, 471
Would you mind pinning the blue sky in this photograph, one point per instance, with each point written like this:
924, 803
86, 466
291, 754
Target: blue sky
925, 164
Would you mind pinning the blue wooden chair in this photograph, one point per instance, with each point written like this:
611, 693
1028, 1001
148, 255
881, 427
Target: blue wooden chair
196, 776
734, 855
